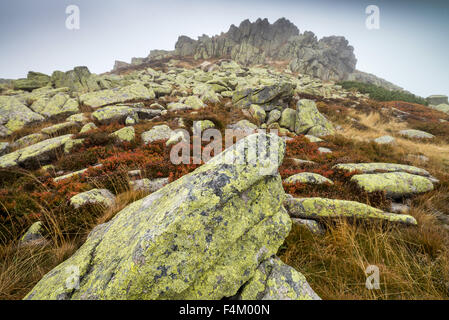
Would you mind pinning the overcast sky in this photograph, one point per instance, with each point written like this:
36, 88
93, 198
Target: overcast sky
410, 49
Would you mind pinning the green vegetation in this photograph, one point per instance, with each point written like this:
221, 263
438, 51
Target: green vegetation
381, 94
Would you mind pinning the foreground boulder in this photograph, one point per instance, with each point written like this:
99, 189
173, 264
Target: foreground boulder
328, 209
200, 237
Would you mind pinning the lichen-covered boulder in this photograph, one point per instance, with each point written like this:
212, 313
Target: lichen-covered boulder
244, 126
33, 235
372, 167
288, 119
194, 102
258, 113
126, 134
309, 120
313, 139
88, 127
120, 113
416, 134
102, 197
321, 208
29, 140
273, 116
274, 280
395, 184
60, 127
263, 95
58, 105
35, 154
14, 115
117, 95
33, 81
308, 178
160, 132
201, 237
4, 148
202, 125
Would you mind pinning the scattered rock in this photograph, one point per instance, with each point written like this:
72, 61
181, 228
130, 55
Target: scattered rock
311, 225
119, 114
88, 127
416, 134
36, 154
161, 132
102, 197
34, 235
308, 178
148, 185
117, 95
126, 134
373, 167
14, 115
385, 140
321, 208
395, 184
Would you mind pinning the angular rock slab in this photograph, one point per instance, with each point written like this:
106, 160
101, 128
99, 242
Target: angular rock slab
381, 167
321, 208
39, 152
310, 120
274, 280
117, 95
395, 184
200, 237
308, 178
120, 113
417, 134
14, 115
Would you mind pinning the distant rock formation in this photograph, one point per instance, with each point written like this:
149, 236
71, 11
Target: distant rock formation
259, 42
437, 99
330, 58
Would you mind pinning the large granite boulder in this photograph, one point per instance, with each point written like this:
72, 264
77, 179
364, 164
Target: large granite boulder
203, 236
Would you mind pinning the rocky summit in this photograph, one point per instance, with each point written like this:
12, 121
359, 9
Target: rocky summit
257, 164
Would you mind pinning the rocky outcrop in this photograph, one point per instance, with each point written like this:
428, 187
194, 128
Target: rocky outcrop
254, 43
33, 81
437, 99
203, 236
